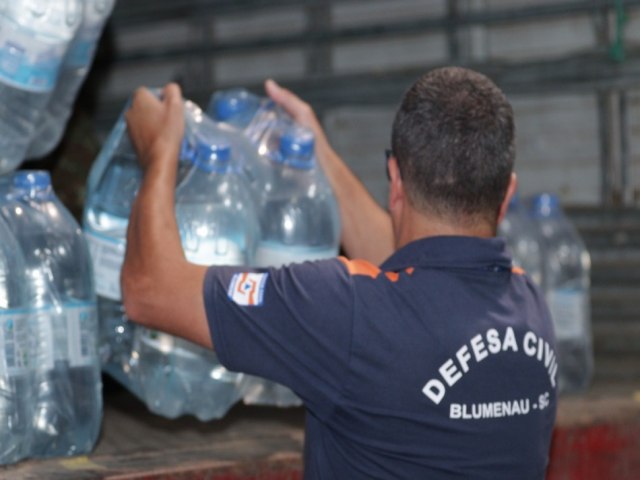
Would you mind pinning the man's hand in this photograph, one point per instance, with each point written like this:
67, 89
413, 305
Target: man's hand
300, 110
366, 227
156, 126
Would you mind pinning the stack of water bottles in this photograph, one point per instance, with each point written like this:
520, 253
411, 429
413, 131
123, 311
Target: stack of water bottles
50, 385
544, 242
248, 193
46, 49
50, 388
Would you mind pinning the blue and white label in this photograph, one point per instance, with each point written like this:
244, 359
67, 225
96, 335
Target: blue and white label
247, 289
26, 61
82, 333
569, 310
16, 343
107, 255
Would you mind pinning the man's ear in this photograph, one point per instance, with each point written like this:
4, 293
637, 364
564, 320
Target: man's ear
397, 195
511, 191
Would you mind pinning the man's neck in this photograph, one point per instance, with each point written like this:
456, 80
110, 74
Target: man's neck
416, 225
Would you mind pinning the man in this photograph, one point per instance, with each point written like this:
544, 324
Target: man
440, 362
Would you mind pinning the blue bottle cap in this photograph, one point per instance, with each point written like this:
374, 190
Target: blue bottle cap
545, 205
231, 103
296, 147
31, 179
212, 157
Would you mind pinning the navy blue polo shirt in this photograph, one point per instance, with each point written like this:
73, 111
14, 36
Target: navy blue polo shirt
439, 364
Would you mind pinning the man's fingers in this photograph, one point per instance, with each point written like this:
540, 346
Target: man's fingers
143, 104
155, 125
172, 95
297, 108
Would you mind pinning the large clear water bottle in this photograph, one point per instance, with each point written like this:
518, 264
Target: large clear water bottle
566, 283
523, 240
68, 389
75, 67
298, 213
34, 37
17, 355
218, 226
299, 221
112, 186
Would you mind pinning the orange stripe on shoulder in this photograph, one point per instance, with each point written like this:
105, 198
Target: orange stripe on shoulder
360, 267
517, 271
393, 276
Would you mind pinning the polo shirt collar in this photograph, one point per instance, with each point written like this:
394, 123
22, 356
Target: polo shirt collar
451, 252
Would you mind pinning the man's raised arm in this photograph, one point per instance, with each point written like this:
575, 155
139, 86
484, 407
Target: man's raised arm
160, 288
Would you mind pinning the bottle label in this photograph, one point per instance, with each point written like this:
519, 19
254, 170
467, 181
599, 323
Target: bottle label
277, 256
107, 254
217, 251
16, 340
569, 309
82, 333
27, 61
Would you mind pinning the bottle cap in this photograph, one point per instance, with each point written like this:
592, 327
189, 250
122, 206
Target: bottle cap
545, 205
30, 179
296, 147
230, 103
212, 157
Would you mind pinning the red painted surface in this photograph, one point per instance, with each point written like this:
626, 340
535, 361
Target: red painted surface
597, 452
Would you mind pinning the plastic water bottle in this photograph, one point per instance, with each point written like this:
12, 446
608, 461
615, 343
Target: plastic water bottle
299, 221
299, 218
216, 217
112, 186
75, 67
218, 226
16, 351
523, 240
34, 37
68, 389
566, 282
246, 119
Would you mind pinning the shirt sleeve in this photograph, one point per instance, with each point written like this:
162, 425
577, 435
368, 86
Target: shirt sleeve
292, 325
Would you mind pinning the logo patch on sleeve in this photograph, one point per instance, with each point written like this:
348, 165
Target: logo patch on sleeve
247, 289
